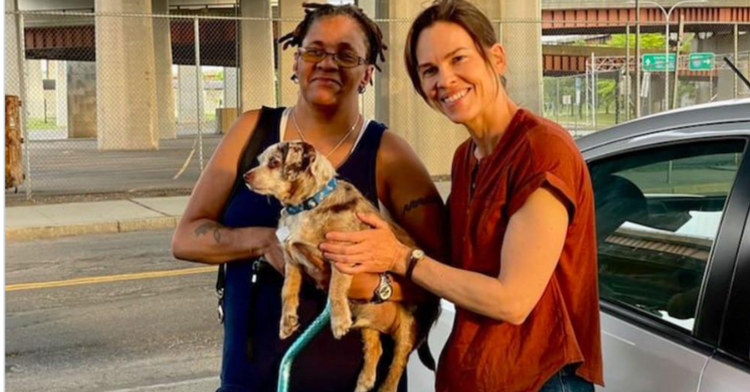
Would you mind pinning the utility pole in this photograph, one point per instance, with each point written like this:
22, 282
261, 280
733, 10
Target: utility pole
680, 33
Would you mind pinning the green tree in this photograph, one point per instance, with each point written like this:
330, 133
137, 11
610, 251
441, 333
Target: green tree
648, 41
651, 41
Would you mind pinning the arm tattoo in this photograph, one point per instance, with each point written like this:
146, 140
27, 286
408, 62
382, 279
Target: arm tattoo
421, 202
210, 226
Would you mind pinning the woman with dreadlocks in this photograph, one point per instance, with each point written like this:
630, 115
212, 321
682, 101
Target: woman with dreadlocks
337, 52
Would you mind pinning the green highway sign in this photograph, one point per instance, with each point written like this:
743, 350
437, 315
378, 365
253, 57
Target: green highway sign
701, 61
653, 62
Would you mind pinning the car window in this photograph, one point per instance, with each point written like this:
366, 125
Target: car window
658, 213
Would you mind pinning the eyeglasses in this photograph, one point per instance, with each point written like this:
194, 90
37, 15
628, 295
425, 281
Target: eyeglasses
346, 59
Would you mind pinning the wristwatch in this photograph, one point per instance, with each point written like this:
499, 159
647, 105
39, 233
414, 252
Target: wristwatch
414, 257
384, 291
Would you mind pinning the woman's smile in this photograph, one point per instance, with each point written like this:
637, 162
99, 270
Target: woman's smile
453, 98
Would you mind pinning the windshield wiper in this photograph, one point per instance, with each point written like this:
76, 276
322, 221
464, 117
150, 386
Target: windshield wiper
737, 71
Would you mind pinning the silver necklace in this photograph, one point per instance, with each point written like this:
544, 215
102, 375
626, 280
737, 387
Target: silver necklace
302, 136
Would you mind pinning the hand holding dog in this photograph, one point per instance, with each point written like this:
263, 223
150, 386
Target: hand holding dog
273, 252
374, 250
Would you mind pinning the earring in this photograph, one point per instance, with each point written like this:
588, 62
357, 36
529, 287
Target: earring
295, 79
362, 89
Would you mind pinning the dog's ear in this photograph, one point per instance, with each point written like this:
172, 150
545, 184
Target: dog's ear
284, 150
295, 161
309, 154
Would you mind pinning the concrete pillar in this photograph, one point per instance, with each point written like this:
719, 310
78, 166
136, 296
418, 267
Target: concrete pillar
34, 90
288, 9
12, 70
654, 102
256, 54
722, 44
163, 66
522, 41
189, 94
50, 96
230, 87
743, 45
367, 100
432, 136
81, 97
125, 68
61, 93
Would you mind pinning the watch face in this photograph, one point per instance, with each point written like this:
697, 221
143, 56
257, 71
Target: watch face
385, 292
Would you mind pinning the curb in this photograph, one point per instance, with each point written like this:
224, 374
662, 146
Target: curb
123, 226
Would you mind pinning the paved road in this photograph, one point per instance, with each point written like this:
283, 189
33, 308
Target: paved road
154, 331
158, 332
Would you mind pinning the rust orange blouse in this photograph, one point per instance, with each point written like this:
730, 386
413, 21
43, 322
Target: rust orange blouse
485, 355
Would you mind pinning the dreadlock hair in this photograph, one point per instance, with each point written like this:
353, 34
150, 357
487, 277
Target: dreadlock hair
314, 11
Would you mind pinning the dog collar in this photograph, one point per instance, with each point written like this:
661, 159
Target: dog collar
312, 201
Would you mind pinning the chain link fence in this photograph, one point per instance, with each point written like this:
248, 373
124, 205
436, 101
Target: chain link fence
599, 85
136, 104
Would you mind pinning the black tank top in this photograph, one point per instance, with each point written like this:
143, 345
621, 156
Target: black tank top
252, 348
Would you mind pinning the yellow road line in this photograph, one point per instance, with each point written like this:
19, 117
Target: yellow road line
109, 278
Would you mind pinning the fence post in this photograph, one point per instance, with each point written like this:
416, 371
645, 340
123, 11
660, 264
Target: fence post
199, 89
637, 59
577, 103
557, 100
627, 72
593, 90
586, 99
736, 60
22, 74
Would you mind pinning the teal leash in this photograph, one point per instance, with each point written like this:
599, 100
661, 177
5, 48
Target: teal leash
313, 330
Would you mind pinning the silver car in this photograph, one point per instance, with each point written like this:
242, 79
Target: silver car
673, 229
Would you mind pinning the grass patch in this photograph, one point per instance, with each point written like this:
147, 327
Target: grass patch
38, 124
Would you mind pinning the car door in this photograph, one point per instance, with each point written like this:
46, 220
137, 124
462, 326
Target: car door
662, 203
729, 368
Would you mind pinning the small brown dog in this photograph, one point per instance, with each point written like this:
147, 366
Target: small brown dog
316, 203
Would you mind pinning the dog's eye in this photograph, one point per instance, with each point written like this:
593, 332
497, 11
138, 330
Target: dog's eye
273, 163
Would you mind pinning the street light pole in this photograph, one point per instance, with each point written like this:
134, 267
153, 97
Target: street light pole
667, 15
637, 59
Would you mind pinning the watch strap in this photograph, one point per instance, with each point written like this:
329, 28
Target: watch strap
412, 263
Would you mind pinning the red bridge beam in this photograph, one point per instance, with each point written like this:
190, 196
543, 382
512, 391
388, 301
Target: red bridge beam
614, 20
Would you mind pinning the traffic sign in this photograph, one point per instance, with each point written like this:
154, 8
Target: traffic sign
653, 62
701, 61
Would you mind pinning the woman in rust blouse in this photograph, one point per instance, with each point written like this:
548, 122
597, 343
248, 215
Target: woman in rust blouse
523, 274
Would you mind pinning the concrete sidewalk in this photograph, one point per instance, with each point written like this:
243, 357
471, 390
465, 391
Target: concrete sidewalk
59, 220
